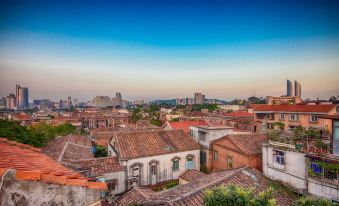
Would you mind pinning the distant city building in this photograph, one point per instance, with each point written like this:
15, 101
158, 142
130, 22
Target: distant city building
21, 97
199, 98
42, 104
297, 89
283, 100
3, 102
102, 101
75, 102
118, 99
289, 88
11, 101
139, 102
211, 101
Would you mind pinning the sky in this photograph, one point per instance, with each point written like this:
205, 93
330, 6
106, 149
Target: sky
168, 49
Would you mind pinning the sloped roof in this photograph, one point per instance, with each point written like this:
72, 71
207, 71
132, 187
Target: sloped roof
192, 192
185, 125
69, 148
249, 144
31, 164
137, 144
191, 175
293, 108
95, 167
239, 114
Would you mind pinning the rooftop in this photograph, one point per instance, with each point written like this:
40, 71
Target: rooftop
185, 125
240, 114
137, 144
210, 127
249, 144
31, 165
95, 167
192, 192
68, 148
293, 108
191, 175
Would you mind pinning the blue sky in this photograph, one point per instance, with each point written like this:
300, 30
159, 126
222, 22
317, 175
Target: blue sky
167, 49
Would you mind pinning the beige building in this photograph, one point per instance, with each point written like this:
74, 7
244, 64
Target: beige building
283, 100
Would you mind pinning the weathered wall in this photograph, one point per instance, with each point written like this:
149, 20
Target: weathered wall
35, 193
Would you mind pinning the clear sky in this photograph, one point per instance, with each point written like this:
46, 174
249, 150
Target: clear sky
167, 49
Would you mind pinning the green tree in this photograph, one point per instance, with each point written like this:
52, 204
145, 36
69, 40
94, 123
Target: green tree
235, 195
101, 151
310, 201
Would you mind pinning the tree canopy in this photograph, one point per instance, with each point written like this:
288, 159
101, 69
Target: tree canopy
37, 136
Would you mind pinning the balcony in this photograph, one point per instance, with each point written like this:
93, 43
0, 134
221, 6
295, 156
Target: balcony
324, 168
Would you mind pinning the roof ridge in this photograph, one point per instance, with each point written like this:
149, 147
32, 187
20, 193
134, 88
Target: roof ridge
20, 145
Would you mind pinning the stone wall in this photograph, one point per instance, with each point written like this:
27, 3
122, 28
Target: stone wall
36, 193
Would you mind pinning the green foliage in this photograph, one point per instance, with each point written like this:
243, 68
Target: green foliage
171, 183
101, 151
281, 125
38, 135
175, 119
309, 201
235, 195
136, 115
199, 107
256, 100
155, 122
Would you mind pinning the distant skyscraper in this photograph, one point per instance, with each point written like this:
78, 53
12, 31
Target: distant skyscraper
297, 89
11, 101
199, 98
21, 97
289, 88
3, 102
118, 99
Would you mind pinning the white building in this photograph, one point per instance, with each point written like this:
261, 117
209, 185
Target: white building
102, 101
300, 170
154, 156
204, 135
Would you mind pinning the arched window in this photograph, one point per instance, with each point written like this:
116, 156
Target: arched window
175, 164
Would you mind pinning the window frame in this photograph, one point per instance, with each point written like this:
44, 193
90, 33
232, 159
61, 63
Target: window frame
229, 162
215, 156
175, 167
279, 157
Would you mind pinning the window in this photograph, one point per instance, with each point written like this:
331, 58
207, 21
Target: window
229, 162
153, 170
135, 172
189, 163
282, 116
313, 118
175, 165
215, 155
111, 184
202, 136
294, 117
279, 157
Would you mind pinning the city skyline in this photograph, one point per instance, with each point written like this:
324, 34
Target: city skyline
169, 49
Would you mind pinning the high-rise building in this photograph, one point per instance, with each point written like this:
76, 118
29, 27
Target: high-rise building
297, 89
199, 98
11, 101
3, 102
102, 101
289, 88
21, 97
118, 99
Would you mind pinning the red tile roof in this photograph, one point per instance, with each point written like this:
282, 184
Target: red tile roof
191, 175
69, 148
249, 144
185, 125
95, 167
192, 192
293, 108
31, 164
237, 114
132, 145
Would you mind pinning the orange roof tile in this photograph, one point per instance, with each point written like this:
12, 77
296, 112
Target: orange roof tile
31, 164
132, 145
293, 108
185, 125
238, 114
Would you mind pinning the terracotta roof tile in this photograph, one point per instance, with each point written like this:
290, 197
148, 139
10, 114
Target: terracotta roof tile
185, 125
132, 145
249, 144
191, 175
293, 108
238, 114
192, 193
35, 166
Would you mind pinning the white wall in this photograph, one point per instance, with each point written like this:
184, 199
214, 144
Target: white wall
165, 165
294, 172
121, 184
323, 189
